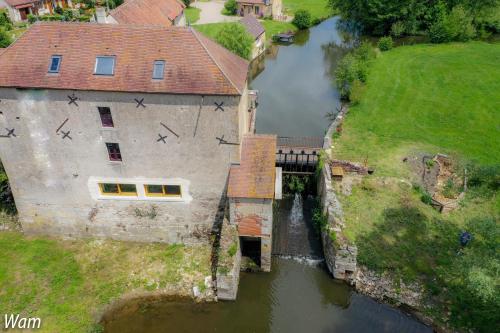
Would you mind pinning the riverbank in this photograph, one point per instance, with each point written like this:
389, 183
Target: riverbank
70, 283
421, 100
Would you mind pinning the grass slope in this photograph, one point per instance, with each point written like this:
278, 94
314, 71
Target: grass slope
272, 27
192, 14
443, 97
318, 8
432, 98
67, 283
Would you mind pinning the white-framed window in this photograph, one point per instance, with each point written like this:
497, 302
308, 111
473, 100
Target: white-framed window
158, 69
139, 189
104, 65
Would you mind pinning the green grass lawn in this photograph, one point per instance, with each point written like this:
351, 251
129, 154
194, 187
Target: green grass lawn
272, 27
445, 98
192, 14
428, 98
67, 283
318, 8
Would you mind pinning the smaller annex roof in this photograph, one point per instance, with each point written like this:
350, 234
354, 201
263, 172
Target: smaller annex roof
255, 176
150, 12
15, 3
194, 64
253, 26
253, 1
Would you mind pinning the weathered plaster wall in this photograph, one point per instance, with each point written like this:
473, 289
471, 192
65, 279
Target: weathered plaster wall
51, 177
259, 212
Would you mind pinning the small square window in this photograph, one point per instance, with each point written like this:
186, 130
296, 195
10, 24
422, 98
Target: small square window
158, 69
114, 152
105, 65
55, 63
106, 118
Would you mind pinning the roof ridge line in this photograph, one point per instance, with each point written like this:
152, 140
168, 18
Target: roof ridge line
195, 33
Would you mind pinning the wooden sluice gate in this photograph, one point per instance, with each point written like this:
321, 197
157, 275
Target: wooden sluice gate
298, 155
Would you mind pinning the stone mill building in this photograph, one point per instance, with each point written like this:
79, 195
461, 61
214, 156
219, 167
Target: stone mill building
126, 132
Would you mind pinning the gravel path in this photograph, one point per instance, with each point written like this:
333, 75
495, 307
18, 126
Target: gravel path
211, 12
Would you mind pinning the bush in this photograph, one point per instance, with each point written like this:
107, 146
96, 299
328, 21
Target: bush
32, 18
302, 19
5, 39
58, 10
354, 67
236, 39
5, 20
398, 29
187, 3
231, 7
7, 203
459, 25
357, 90
385, 43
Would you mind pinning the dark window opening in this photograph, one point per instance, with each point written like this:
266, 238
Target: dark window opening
114, 152
105, 65
158, 69
128, 188
55, 63
154, 189
110, 188
250, 247
106, 118
172, 190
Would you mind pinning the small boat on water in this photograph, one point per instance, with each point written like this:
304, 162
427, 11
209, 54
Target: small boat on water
284, 37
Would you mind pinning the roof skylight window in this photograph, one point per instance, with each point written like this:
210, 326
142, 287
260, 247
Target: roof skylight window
55, 63
104, 65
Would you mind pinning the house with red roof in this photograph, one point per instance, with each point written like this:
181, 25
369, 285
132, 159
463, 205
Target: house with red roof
20, 9
164, 13
257, 31
128, 132
260, 8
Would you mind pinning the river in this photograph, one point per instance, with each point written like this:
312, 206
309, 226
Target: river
295, 93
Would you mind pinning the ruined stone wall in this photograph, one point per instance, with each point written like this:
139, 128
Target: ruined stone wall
54, 179
340, 256
228, 267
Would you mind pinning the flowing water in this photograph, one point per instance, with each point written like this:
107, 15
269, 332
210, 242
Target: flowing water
295, 93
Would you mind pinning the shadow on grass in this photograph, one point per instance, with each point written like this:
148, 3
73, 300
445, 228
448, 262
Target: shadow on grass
462, 281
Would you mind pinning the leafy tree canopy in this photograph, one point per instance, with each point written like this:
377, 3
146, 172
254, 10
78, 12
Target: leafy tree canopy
235, 38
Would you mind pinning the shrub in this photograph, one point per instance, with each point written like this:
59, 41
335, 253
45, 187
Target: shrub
357, 90
398, 29
5, 20
187, 3
385, 43
7, 203
236, 39
459, 25
5, 39
302, 19
232, 250
32, 18
231, 7
58, 10
319, 219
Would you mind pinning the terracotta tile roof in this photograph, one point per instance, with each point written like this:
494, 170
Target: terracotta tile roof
151, 12
255, 176
1, 50
14, 3
194, 64
253, 26
253, 1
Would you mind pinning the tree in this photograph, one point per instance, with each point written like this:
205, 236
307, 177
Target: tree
187, 3
231, 7
302, 19
236, 39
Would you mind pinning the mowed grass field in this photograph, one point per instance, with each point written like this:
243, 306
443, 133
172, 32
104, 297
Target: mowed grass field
68, 283
318, 8
443, 98
272, 27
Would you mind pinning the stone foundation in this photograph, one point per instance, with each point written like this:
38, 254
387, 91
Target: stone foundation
228, 267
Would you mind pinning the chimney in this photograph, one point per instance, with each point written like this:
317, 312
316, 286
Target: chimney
100, 13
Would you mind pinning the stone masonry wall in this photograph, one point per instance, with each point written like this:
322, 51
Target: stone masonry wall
54, 179
340, 256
